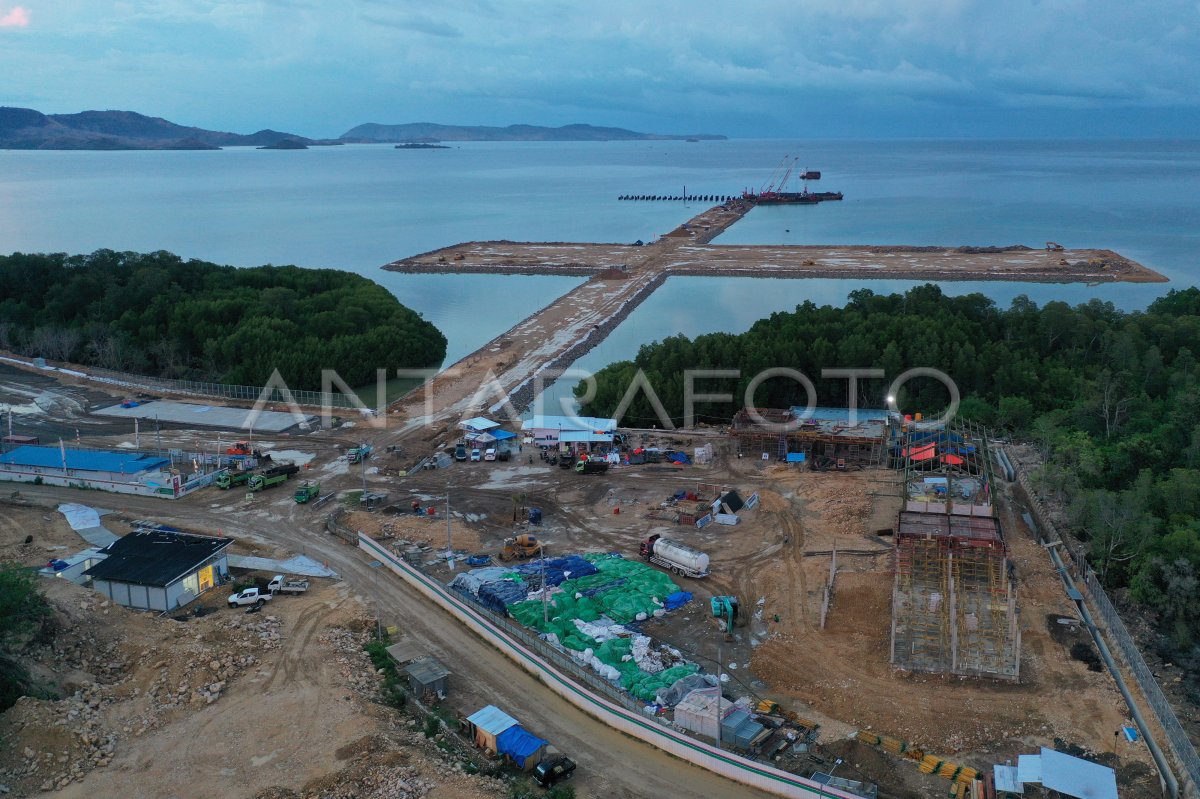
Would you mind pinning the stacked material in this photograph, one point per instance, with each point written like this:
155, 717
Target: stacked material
587, 604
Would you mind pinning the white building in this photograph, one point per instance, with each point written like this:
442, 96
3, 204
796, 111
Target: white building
581, 433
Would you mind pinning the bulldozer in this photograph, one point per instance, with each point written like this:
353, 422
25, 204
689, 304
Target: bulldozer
521, 547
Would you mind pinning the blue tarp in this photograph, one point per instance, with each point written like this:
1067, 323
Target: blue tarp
500, 594
557, 568
519, 744
677, 599
795, 457
502, 435
677, 457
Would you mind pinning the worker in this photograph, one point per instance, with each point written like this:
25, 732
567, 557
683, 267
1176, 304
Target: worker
416, 506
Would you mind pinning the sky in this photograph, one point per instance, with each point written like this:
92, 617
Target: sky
744, 68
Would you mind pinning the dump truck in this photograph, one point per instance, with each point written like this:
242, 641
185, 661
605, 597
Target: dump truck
271, 477
359, 453
678, 558
228, 479
591, 467
306, 492
521, 547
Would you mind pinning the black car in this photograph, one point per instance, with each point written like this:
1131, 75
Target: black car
460, 452
552, 770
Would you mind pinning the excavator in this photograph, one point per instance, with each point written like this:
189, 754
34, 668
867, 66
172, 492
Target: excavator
521, 547
726, 607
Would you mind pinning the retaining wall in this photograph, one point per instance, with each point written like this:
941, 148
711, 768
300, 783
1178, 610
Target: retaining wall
727, 764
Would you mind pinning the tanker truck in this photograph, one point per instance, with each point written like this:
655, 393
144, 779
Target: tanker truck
679, 558
271, 477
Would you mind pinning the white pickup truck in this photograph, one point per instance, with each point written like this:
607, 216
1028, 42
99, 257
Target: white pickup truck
250, 596
257, 595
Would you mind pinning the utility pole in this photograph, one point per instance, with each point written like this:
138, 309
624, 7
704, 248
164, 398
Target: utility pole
376, 565
545, 609
720, 691
449, 543
362, 458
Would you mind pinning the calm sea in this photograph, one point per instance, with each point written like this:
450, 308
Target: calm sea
357, 207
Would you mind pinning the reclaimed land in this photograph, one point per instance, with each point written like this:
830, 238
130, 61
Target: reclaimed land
622, 276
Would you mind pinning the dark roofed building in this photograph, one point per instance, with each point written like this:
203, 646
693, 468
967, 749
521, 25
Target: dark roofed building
159, 570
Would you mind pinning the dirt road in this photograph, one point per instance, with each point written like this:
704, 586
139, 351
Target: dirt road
610, 764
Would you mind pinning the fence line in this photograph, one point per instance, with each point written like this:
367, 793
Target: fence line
1181, 746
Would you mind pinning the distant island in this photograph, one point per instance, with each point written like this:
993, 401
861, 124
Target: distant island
285, 144
27, 129
417, 131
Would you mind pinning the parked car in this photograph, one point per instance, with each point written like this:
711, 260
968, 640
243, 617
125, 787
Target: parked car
503, 455
489, 454
256, 596
460, 452
553, 769
476, 455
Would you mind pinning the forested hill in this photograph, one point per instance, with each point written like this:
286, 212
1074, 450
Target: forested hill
1112, 397
158, 314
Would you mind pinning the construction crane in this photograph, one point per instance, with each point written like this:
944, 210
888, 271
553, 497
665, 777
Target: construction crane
777, 177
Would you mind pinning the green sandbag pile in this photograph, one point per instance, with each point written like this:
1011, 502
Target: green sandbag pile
638, 585
646, 686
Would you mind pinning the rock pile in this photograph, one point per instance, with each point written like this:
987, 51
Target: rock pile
68, 738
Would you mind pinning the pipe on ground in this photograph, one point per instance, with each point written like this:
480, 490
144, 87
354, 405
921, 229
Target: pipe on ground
1164, 770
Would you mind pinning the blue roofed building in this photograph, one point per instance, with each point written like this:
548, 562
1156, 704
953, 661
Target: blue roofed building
126, 472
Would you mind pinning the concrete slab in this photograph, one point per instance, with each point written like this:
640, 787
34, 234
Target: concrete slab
86, 521
299, 564
195, 414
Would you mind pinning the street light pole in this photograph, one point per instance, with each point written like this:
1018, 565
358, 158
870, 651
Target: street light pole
545, 609
719, 693
375, 567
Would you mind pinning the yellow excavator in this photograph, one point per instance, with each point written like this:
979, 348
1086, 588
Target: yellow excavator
521, 547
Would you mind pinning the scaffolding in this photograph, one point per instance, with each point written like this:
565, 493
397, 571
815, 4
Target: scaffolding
954, 606
824, 444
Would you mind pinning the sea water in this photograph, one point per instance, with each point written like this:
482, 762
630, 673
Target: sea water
357, 207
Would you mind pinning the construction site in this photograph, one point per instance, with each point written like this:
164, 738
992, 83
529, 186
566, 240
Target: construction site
844, 592
858, 579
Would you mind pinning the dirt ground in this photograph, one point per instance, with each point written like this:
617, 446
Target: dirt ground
282, 703
777, 562
51, 536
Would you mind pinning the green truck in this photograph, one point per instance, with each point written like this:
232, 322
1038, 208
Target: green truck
359, 453
271, 477
229, 479
306, 492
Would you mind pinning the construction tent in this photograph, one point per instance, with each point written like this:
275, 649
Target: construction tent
521, 746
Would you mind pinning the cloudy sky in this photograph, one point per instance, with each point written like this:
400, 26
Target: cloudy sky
787, 68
